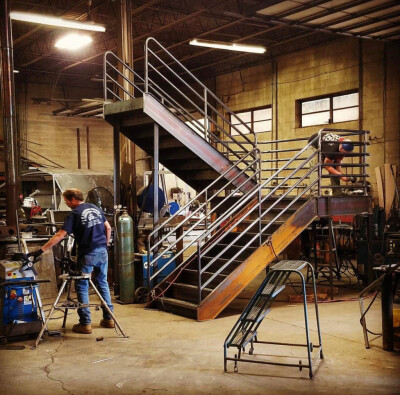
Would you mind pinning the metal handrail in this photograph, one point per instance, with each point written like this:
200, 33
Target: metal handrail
107, 76
204, 97
207, 200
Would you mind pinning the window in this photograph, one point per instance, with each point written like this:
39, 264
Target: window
197, 126
259, 120
339, 107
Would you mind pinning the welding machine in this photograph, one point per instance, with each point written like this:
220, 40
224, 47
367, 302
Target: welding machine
21, 311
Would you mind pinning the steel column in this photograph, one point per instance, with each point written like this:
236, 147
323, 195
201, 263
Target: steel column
117, 198
8, 113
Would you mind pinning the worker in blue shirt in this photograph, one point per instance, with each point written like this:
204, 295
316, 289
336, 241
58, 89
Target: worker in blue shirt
92, 233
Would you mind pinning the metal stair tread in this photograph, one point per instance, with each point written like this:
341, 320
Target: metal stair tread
190, 286
237, 246
223, 259
193, 271
179, 303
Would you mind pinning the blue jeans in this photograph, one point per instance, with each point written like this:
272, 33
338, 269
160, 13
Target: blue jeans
96, 261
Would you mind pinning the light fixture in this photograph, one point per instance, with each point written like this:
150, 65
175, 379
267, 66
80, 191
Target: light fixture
73, 41
16, 71
229, 46
54, 21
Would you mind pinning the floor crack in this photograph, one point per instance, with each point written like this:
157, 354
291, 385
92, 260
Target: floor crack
46, 369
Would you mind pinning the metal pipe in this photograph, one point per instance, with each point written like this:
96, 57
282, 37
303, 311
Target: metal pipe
9, 117
87, 147
117, 199
78, 147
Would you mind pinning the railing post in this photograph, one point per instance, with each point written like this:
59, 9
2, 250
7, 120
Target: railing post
199, 272
146, 67
105, 77
319, 164
206, 135
364, 161
206, 202
259, 218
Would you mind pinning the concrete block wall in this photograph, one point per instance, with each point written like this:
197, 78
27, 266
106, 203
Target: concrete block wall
55, 138
345, 64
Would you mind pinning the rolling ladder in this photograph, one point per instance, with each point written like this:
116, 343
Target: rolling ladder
245, 330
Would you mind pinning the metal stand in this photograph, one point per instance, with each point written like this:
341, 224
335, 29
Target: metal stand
245, 330
332, 268
69, 304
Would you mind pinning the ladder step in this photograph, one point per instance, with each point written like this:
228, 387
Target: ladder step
290, 265
252, 317
242, 338
271, 292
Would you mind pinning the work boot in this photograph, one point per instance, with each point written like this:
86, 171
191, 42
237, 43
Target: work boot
107, 323
82, 328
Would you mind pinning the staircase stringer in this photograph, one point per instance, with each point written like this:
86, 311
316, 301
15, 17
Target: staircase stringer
231, 287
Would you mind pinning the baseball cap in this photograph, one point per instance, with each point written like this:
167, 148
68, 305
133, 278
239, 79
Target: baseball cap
347, 145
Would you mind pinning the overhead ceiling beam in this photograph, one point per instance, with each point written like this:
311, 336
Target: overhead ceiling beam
251, 11
359, 14
331, 11
391, 34
143, 7
377, 29
370, 20
301, 8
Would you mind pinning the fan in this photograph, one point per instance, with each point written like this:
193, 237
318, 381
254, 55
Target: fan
102, 198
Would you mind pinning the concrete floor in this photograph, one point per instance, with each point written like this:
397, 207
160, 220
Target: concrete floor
167, 353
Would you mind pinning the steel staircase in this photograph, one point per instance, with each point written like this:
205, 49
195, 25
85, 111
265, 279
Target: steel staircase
251, 207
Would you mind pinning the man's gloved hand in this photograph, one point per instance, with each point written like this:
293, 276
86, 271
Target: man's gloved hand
352, 179
36, 254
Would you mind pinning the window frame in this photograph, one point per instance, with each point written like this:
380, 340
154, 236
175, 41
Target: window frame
251, 110
331, 96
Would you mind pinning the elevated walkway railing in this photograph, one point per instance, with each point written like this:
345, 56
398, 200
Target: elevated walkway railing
300, 176
212, 198
275, 152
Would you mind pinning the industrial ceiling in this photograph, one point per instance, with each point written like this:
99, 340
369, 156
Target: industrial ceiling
281, 26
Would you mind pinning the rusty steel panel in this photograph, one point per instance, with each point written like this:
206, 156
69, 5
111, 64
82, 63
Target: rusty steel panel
343, 205
261, 258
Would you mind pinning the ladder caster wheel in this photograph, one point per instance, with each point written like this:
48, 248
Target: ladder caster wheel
311, 347
3, 340
251, 351
235, 368
300, 366
321, 355
310, 375
97, 308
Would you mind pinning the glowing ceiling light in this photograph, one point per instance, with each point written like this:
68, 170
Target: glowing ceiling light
73, 41
54, 21
228, 46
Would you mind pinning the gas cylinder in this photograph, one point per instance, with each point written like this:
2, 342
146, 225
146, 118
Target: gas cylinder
126, 258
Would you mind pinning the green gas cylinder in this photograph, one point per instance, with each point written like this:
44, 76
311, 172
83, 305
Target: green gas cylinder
126, 258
